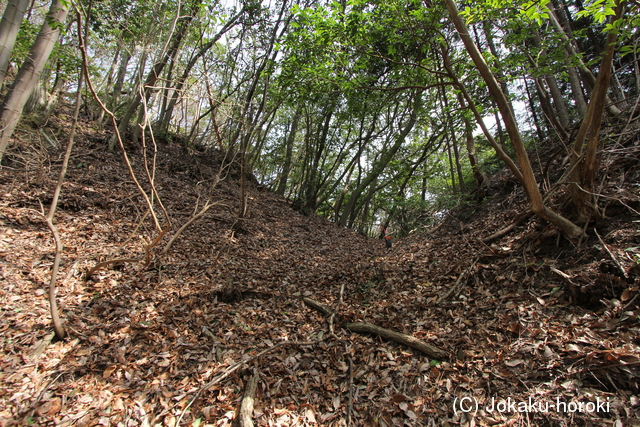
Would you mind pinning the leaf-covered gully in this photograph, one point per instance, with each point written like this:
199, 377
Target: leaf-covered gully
292, 320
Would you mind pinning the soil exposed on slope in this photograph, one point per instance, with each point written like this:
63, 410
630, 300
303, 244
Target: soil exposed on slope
528, 317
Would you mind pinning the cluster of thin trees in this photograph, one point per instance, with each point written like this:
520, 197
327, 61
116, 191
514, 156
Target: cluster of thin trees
361, 111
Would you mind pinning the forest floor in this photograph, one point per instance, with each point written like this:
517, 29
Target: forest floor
538, 331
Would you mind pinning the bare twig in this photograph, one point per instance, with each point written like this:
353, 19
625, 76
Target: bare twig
199, 214
146, 258
628, 305
132, 174
55, 315
34, 404
151, 174
190, 221
606, 248
235, 367
350, 401
635, 107
458, 282
519, 220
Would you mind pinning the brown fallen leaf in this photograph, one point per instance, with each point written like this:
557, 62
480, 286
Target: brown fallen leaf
50, 408
108, 372
514, 362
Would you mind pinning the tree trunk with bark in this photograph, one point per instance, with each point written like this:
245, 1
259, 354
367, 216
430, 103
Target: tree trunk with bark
30, 71
379, 166
586, 161
528, 178
558, 101
548, 110
143, 94
9, 27
587, 76
286, 167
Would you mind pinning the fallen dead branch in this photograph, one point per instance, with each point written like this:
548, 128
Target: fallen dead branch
246, 407
517, 222
567, 279
318, 306
369, 328
408, 340
458, 282
615, 260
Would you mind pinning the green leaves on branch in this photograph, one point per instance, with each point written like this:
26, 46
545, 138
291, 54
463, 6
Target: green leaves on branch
536, 11
598, 10
531, 10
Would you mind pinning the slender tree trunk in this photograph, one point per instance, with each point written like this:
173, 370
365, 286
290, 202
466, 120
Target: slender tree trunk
636, 63
548, 109
423, 189
480, 178
501, 135
112, 101
250, 117
576, 87
29, 73
502, 155
456, 156
558, 101
427, 149
454, 189
9, 26
454, 143
618, 90
532, 107
305, 162
530, 184
125, 57
362, 212
58, 327
556, 94
385, 157
165, 96
486, 27
54, 96
144, 92
586, 73
286, 167
165, 118
108, 81
584, 170
311, 193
